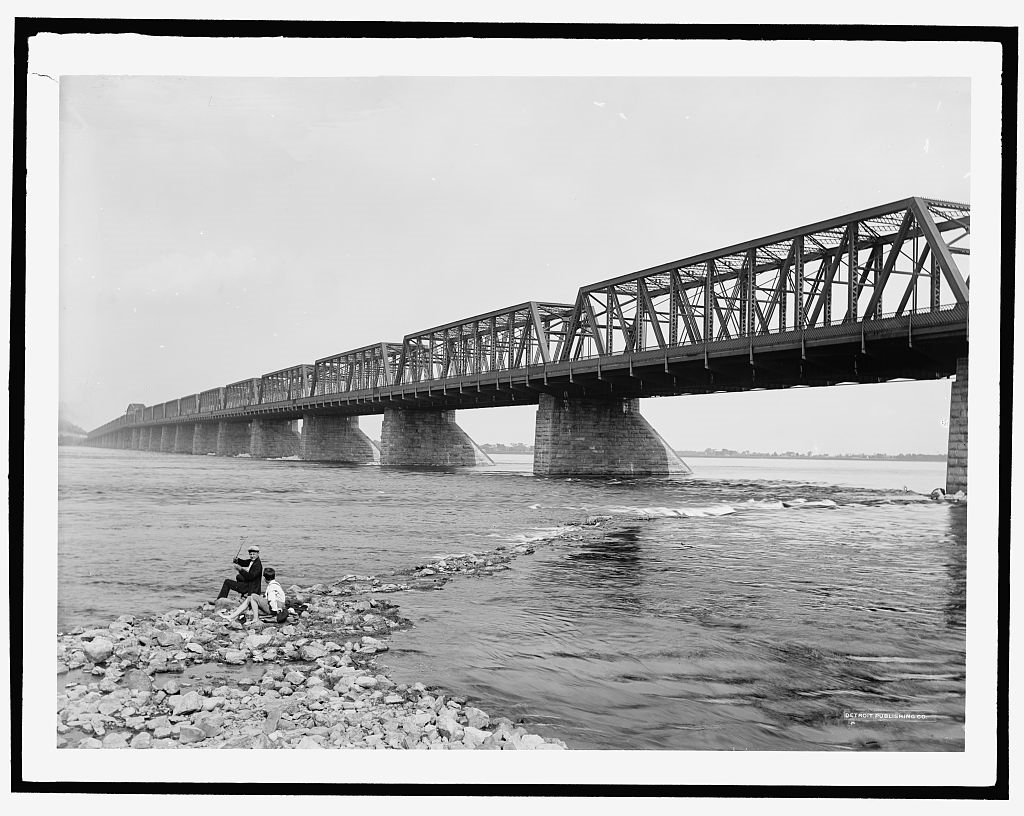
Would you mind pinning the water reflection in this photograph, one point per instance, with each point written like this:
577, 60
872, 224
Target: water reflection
611, 564
956, 568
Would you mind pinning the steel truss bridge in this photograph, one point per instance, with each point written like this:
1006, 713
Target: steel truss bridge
871, 296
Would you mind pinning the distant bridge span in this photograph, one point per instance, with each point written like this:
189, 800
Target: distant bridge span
872, 296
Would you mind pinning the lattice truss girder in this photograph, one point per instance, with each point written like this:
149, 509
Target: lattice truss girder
531, 333
368, 367
909, 256
211, 400
188, 405
242, 393
287, 384
906, 257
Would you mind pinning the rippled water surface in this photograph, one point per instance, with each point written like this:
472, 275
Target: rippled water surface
748, 607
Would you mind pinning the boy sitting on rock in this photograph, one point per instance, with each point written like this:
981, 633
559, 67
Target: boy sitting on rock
272, 602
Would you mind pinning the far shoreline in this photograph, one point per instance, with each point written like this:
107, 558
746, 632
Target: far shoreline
527, 450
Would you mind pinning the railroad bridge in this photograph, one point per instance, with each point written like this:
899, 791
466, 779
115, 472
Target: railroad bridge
868, 297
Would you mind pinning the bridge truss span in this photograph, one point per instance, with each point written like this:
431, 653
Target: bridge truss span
889, 261
286, 384
242, 394
369, 367
531, 333
871, 296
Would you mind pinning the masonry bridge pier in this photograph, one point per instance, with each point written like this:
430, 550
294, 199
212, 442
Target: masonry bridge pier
872, 296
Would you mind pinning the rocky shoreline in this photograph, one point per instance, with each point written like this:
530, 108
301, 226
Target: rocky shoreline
190, 678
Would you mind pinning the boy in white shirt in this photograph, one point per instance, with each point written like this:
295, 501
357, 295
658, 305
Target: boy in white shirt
272, 602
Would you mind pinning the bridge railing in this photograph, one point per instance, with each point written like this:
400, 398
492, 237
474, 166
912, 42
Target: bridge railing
373, 366
527, 334
853, 268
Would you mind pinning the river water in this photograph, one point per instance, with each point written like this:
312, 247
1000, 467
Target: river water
751, 606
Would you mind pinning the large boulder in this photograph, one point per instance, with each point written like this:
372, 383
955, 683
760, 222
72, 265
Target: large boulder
170, 638
185, 703
254, 641
473, 737
528, 742
476, 718
448, 726
189, 734
273, 718
142, 740
312, 651
115, 740
98, 649
138, 680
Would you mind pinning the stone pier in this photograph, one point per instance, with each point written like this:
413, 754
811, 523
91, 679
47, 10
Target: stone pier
336, 439
133, 442
204, 438
183, 435
273, 438
233, 438
166, 438
599, 437
956, 454
427, 439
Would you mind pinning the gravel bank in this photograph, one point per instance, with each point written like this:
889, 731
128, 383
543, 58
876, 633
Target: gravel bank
189, 678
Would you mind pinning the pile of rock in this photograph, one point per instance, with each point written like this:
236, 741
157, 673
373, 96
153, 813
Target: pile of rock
318, 706
483, 563
322, 689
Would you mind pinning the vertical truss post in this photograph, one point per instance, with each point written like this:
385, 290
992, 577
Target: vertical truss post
742, 290
494, 343
784, 291
936, 284
609, 335
852, 289
912, 289
798, 281
827, 297
510, 335
673, 310
709, 323
878, 283
477, 362
749, 289
639, 330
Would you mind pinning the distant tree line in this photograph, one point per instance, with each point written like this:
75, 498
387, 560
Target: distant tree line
515, 447
746, 454
519, 447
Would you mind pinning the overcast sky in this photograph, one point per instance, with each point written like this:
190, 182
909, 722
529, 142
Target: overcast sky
214, 229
